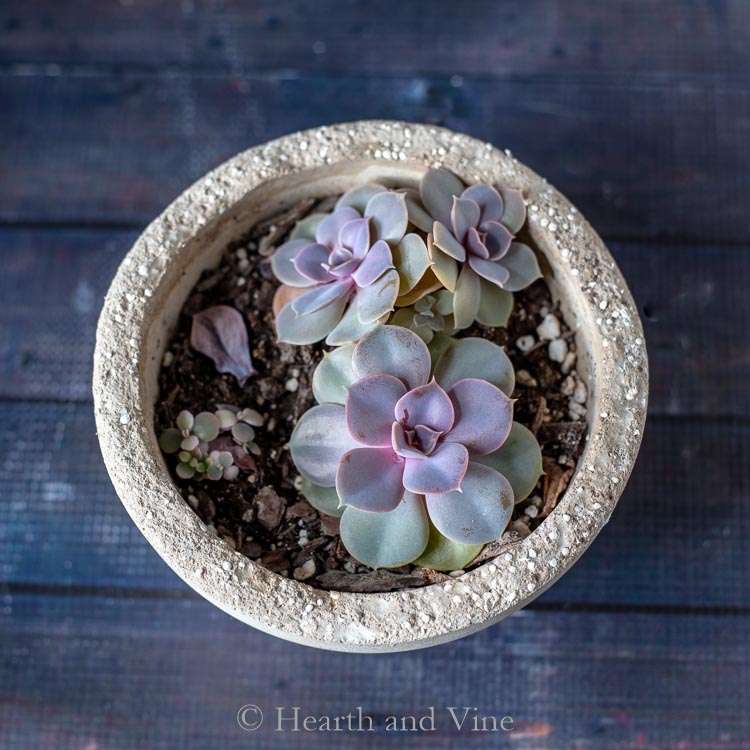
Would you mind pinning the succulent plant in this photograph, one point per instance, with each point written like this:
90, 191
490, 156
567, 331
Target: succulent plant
337, 271
471, 245
419, 462
203, 452
429, 315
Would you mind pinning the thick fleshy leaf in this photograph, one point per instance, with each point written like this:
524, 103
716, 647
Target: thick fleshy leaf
443, 266
170, 440
387, 540
328, 230
444, 239
484, 415
206, 426
358, 197
475, 358
411, 260
522, 265
321, 296
406, 318
305, 228
497, 239
378, 299
369, 408
219, 332
444, 302
377, 261
427, 405
490, 202
416, 211
370, 479
350, 328
442, 471
333, 376
439, 344
355, 236
310, 260
475, 244
444, 554
324, 499
437, 188
495, 305
307, 329
466, 298
318, 442
426, 285
514, 209
464, 216
389, 216
494, 272
402, 445
519, 460
478, 514
391, 350
284, 295
282, 264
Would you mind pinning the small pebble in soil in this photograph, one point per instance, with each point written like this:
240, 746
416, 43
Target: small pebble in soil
525, 343
557, 350
549, 328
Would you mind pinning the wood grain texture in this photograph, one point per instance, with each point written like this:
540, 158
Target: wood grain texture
691, 299
119, 673
551, 37
677, 538
642, 161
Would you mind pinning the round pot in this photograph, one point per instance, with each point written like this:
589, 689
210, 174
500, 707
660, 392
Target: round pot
154, 280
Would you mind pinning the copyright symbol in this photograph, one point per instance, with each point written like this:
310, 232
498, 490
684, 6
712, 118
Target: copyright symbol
250, 717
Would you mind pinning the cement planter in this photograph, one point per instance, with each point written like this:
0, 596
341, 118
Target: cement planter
155, 279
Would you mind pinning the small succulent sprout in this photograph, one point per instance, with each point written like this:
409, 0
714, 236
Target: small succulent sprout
471, 245
401, 450
251, 416
427, 316
220, 333
203, 452
343, 267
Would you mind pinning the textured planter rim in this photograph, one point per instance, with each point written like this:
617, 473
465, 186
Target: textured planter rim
154, 280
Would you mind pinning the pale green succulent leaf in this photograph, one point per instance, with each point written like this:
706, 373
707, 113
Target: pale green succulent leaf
523, 266
444, 554
333, 376
495, 305
411, 260
476, 358
305, 228
466, 298
358, 197
323, 499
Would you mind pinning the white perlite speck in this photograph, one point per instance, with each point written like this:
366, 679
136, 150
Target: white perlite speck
549, 328
557, 350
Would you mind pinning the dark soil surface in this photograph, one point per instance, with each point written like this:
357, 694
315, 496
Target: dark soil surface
262, 514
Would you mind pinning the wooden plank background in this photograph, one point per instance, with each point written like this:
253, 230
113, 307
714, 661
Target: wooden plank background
638, 111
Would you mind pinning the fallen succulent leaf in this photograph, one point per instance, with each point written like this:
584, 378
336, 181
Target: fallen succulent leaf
220, 333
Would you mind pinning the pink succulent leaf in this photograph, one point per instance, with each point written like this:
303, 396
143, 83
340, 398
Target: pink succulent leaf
491, 270
219, 332
514, 209
427, 405
464, 215
241, 458
497, 239
437, 188
443, 238
339, 256
427, 438
522, 266
387, 540
442, 471
379, 298
345, 270
479, 513
355, 236
350, 327
318, 442
369, 409
476, 244
370, 479
282, 264
401, 444
328, 230
466, 298
392, 350
490, 202
310, 262
358, 197
375, 263
389, 216
484, 415
307, 329
321, 296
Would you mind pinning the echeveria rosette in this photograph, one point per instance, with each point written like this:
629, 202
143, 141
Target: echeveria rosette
471, 245
428, 316
400, 450
338, 275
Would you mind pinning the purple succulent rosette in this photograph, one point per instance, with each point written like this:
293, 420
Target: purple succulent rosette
471, 244
421, 465
343, 265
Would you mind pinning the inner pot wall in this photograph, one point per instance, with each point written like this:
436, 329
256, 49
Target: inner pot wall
160, 271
